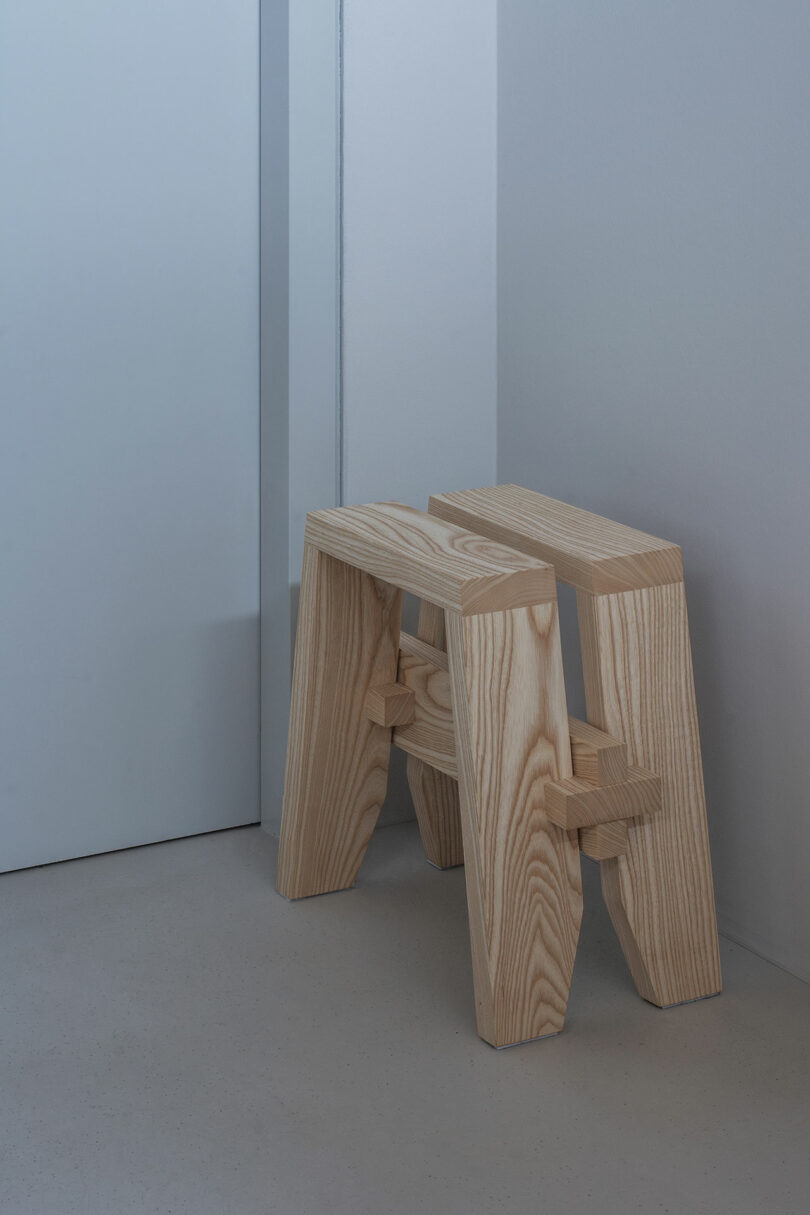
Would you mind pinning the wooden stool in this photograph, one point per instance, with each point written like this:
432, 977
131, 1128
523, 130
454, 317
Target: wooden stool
656, 875
491, 710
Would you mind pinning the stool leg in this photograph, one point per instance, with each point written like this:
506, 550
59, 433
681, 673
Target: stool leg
637, 664
435, 796
337, 759
524, 886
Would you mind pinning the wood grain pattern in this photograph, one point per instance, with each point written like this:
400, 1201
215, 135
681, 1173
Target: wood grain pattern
595, 755
450, 567
337, 760
435, 792
587, 551
389, 705
604, 841
436, 803
523, 877
430, 735
639, 686
578, 803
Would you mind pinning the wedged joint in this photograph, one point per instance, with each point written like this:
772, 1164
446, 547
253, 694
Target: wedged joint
390, 704
596, 757
575, 803
605, 840
429, 735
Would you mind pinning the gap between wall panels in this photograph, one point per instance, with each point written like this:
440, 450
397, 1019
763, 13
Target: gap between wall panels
301, 415
340, 455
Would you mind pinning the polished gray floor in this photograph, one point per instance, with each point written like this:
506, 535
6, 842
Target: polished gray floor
178, 1039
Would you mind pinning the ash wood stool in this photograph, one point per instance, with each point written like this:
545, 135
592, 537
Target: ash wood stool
656, 872
491, 711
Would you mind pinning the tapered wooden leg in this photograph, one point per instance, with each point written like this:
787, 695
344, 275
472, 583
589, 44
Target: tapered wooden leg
337, 758
435, 800
638, 685
435, 796
524, 886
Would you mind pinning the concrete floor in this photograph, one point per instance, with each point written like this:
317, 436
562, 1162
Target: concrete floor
179, 1039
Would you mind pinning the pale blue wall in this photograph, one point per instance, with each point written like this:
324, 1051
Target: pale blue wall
129, 455
654, 362
419, 384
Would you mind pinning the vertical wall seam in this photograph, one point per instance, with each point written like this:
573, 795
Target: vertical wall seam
259, 402
339, 412
497, 241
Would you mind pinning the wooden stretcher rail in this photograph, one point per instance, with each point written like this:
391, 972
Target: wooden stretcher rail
602, 790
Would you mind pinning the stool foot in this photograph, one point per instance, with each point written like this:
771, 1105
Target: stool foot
527, 1041
337, 759
696, 1000
524, 886
301, 897
443, 868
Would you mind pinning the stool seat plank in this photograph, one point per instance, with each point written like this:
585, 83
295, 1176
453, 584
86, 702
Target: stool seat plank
438, 561
587, 551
